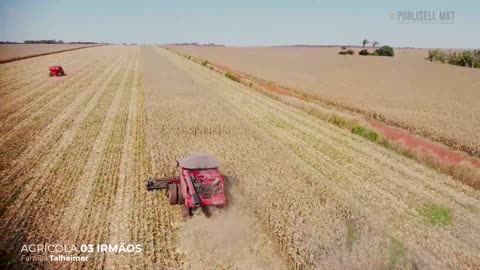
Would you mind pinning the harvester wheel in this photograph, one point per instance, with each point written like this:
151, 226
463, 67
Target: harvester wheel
186, 212
181, 199
172, 194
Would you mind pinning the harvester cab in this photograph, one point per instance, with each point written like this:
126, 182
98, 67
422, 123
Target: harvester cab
199, 184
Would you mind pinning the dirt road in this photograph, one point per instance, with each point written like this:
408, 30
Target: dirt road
304, 194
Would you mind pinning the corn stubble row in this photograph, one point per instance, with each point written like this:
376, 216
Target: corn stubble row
45, 181
39, 146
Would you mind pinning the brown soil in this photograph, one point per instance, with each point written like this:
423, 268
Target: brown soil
418, 144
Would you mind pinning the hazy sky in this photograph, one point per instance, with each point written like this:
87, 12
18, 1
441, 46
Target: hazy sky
246, 22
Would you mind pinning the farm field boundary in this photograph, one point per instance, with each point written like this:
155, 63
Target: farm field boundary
43, 54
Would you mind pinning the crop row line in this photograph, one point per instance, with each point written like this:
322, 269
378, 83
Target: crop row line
121, 214
54, 179
20, 115
53, 169
19, 175
36, 94
32, 71
156, 221
95, 222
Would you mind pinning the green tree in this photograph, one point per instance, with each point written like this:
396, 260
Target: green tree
365, 42
363, 52
375, 43
385, 51
476, 59
467, 58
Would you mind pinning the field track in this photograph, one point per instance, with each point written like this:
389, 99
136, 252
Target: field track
304, 194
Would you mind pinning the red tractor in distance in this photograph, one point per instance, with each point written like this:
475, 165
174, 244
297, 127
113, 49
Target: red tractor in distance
200, 184
56, 71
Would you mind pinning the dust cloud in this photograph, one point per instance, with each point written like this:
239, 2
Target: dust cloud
230, 239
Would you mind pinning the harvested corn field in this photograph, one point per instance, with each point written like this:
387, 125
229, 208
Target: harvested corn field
303, 194
406, 91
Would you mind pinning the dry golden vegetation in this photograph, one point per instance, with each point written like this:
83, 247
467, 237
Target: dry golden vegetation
304, 194
9, 52
437, 101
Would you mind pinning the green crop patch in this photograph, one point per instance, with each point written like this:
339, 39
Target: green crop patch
366, 133
352, 235
435, 214
397, 255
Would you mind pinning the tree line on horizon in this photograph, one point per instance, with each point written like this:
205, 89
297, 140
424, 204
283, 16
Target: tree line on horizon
382, 51
49, 41
465, 58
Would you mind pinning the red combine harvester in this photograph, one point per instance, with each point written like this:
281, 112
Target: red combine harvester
199, 185
56, 71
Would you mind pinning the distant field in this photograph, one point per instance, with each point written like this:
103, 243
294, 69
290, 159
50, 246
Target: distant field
435, 100
14, 51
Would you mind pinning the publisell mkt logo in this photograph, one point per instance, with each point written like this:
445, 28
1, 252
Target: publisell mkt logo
423, 16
